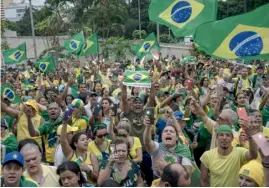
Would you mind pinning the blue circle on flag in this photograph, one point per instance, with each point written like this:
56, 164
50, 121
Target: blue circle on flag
146, 46
137, 77
74, 45
43, 66
17, 55
246, 43
181, 12
9, 93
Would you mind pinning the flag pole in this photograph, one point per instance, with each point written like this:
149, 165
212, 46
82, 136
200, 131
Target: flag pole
139, 18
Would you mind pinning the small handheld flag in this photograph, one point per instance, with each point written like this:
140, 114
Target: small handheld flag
75, 44
8, 92
46, 64
91, 46
137, 79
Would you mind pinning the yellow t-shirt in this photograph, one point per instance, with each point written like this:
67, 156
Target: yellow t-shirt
136, 145
80, 123
245, 85
51, 179
92, 148
155, 182
22, 130
224, 169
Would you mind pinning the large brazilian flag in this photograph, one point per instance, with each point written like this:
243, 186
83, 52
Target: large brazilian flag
183, 16
240, 37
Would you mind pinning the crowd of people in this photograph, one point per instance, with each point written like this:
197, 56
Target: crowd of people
202, 123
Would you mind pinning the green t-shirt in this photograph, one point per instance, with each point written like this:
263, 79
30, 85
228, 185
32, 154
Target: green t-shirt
258, 80
45, 115
265, 115
27, 182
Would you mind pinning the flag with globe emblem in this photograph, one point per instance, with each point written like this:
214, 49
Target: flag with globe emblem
183, 16
46, 64
240, 37
144, 48
75, 44
137, 79
8, 92
15, 55
91, 46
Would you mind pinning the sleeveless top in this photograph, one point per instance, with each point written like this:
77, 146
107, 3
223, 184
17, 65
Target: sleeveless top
22, 130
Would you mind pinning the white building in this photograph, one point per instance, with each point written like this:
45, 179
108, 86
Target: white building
14, 12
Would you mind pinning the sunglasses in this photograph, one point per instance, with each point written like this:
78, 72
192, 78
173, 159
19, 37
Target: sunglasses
102, 135
121, 135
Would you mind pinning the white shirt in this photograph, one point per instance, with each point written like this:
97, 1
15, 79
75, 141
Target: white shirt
59, 157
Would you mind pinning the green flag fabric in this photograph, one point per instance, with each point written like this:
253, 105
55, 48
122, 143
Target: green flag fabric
75, 44
183, 16
145, 47
8, 92
46, 64
15, 55
137, 79
91, 46
239, 37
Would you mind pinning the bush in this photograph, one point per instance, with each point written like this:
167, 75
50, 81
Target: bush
165, 38
136, 34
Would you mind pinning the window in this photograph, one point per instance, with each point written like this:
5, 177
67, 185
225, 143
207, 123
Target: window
20, 10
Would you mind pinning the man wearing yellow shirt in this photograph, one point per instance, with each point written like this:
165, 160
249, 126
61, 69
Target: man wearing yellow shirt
44, 175
50, 81
242, 83
220, 166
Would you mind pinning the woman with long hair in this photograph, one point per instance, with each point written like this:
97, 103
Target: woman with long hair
71, 175
119, 167
77, 151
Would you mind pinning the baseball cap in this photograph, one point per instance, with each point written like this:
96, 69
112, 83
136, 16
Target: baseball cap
179, 116
224, 128
69, 129
93, 93
137, 99
61, 87
77, 103
254, 170
13, 156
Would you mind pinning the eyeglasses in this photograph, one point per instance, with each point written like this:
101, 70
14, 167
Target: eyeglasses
121, 135
102, 135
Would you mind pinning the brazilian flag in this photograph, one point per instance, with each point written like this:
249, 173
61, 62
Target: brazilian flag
91, 46
183, 16
239, 37
15, 55
75, 44
46, 64
145, 47
8, 92
137, 79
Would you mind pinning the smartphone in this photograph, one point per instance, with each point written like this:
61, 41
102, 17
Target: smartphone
242, 114
114, 108
96, 110
150, 112
79, 161
262, 143
112, 148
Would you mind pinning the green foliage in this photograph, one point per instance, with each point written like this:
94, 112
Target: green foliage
136, 34
57, 49
165, 38
4, 44
116, 48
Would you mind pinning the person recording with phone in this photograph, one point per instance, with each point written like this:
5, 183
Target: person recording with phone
78, 151
119, 167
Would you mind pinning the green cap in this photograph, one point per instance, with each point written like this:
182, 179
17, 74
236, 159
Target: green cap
224, 128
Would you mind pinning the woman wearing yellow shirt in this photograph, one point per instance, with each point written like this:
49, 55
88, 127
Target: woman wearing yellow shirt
122, 131
77, 120
100, 146
77, 151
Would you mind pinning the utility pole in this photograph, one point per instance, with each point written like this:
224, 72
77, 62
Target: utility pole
33, 28
139, 17
158, 32
245, 6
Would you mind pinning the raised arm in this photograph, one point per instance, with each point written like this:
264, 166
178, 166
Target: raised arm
67, 150
264, 100
175, 122
10, 111
124, 102
151, 100
149, 143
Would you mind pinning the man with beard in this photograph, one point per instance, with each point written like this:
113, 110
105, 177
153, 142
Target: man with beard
220, 166
49, 130
136, 118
